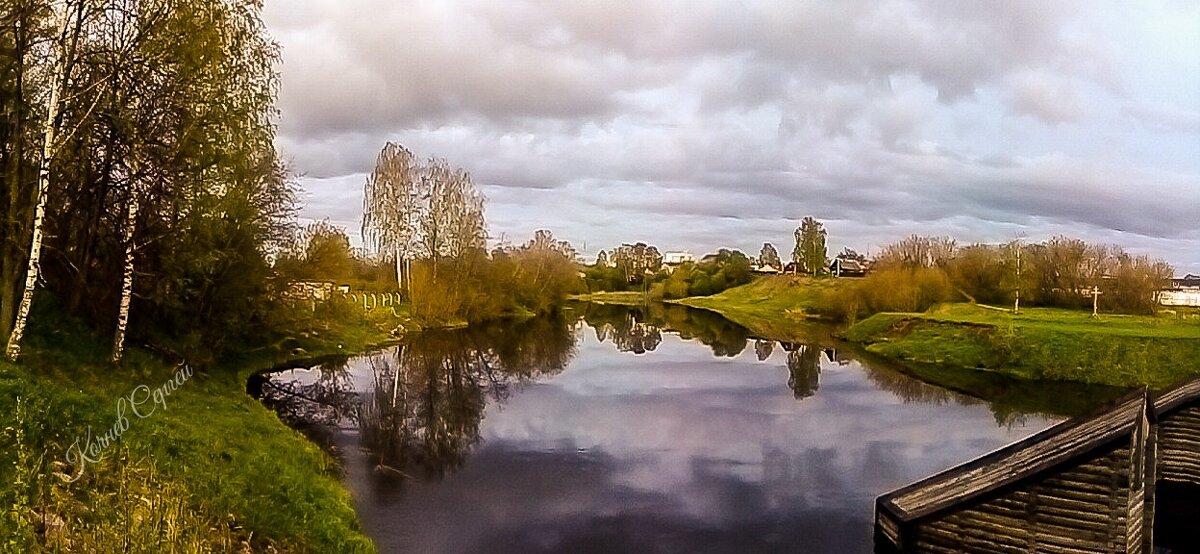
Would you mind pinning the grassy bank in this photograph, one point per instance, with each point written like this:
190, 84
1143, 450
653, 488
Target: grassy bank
210, 469
621, 298
780, 307
1040, 343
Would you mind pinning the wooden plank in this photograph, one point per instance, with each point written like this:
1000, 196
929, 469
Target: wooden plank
1054, 446
1172, 399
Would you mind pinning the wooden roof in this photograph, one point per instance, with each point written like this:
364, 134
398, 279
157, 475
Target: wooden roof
1042, 451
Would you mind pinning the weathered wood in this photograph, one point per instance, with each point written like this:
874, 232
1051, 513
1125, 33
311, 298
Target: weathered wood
1042, 451
1085, 485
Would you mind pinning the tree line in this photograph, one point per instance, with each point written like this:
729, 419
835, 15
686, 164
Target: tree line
141, 191
914, 273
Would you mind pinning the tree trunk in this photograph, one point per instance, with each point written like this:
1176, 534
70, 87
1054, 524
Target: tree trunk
126, 277
399, 271
43, 187
10, 258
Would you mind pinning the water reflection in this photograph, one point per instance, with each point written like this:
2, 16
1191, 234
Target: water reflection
422, 414
647, 429
804, 370
638, 329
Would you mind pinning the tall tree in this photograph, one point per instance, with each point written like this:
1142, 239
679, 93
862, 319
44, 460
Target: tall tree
452, 223
635, 260
163, 148
810, 248
62, 50
430, 209
392, 202
21, 25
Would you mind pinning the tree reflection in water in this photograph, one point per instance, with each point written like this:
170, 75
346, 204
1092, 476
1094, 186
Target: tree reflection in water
422, 415
763, 349
327, 400
804, 370
638, 329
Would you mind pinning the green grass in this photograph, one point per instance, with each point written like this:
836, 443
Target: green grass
1041, 343
781, 307
215, 471
622, 298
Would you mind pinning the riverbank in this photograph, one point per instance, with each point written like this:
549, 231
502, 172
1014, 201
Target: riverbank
778, 307
207, 469
1038, 344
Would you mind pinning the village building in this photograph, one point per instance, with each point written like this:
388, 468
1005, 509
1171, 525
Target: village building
678, 258
1184, 291
672, 260
847, 267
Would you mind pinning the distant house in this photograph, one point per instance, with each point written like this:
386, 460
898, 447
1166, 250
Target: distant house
793, 267
766, 269
1184, 291
847, 267
709, 259
672, 260
678, 258
1187, 282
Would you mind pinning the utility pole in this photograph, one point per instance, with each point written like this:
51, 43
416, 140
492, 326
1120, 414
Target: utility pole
1017, 301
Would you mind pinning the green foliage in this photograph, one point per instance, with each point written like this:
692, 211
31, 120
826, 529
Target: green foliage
779, 306
810, 250
214, 472
769, 257
170, 104
321, 252
601, 277
637, 262
729, 268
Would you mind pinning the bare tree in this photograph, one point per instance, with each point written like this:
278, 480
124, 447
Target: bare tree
918, 251
392, 203
451, 224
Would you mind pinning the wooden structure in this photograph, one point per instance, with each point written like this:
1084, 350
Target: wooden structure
1084, 485
847, 267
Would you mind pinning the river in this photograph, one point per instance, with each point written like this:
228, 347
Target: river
617, 429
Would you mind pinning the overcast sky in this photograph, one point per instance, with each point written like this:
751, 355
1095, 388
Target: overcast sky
696, 124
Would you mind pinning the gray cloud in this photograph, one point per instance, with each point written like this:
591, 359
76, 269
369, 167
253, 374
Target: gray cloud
702, 124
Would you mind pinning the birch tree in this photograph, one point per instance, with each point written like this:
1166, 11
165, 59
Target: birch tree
131, 214
391, 206
61, 51
452, 222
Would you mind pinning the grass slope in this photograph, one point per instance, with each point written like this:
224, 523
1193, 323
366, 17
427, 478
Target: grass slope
212, 471
780, 307
1040, 343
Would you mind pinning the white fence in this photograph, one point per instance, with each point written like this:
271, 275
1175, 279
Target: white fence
1179, 298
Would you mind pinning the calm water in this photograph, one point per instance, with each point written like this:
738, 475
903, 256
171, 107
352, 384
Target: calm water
626, 431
